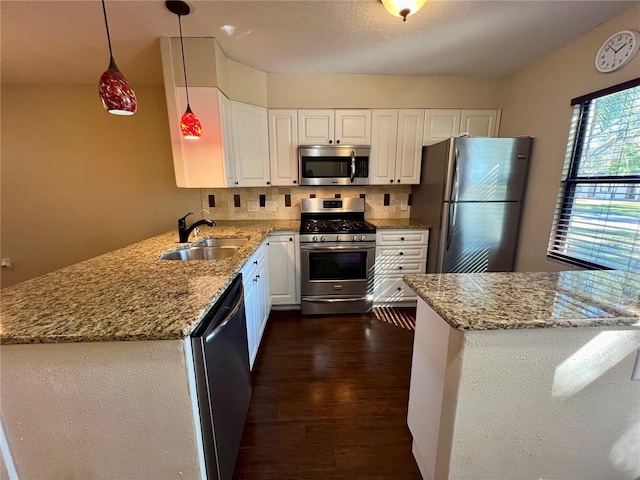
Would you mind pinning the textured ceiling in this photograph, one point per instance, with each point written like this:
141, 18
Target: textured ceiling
65, 41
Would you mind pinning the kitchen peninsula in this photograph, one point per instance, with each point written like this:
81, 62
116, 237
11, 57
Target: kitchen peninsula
97, 372
526, 375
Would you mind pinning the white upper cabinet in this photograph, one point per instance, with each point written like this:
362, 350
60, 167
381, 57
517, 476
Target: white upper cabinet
396, 146
233, 150
384, 137
480, 123
334, 127
409, 146
283, 147
250, 145
353, 127
440, 124
316, 127
443, 123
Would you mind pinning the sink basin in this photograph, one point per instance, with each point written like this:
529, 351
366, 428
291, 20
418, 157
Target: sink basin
222, 242
201, 253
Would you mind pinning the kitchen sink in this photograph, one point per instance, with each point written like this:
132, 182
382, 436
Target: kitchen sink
201, 253
221, 242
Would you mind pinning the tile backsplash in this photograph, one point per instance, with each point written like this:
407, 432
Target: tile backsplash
225, 200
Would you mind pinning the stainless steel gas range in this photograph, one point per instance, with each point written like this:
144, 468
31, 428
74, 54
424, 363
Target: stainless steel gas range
337, 252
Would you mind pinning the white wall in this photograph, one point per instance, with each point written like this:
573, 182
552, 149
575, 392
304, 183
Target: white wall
99, 410
382, 91
78, 182
537, 103
548, 403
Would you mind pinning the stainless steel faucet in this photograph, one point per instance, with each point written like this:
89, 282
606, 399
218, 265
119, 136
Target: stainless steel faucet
184, 232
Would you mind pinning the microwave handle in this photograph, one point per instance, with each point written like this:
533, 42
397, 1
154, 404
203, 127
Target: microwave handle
353, 165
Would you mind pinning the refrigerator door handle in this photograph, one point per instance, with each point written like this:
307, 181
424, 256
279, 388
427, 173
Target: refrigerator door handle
453, 196
451, 223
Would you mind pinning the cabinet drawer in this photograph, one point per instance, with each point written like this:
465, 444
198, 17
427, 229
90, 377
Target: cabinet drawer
399, 266
249, 269
407, 253
402, 237
392, 289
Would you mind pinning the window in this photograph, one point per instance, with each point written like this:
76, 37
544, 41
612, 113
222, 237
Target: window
597, 220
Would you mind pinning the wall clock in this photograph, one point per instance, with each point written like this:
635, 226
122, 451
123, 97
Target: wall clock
617, 51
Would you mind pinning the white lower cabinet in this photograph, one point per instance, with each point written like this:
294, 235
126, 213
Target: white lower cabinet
255, 280
398, 252
284, 270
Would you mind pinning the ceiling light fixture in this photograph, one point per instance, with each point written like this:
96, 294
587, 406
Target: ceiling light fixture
403, 8
115, 91
189, 124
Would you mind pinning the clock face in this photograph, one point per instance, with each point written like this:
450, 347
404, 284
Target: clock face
617, 51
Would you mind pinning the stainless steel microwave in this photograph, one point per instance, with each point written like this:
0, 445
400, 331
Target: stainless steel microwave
334, 165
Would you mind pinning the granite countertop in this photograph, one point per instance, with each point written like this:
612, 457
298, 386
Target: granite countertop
498, 301
130, 293
399, 223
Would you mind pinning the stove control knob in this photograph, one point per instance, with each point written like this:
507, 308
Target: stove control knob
354, 238
338, 238
314, 239
322, 239
362, 237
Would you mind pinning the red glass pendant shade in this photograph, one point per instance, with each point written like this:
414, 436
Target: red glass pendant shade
190, 125
116, 92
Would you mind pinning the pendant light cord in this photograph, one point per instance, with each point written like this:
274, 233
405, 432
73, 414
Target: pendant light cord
184, 65
106, 24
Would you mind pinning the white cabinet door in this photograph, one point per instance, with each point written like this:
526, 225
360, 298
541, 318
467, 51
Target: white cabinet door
480, 123
256, 302
284, 277
262, 297
409, 147
315, 127
440, 124
251, 312
251, 145
283, 147
334, 127
353, 127
384, 137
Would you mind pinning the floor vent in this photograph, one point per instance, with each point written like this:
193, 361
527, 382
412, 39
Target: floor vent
399, 317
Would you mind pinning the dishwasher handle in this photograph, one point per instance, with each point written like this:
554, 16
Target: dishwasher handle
230, 312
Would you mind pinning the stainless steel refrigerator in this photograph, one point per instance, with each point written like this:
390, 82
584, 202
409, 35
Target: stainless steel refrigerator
471, 194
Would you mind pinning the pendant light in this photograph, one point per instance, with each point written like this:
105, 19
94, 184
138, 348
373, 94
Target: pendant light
189, 124
403, 8
115, 91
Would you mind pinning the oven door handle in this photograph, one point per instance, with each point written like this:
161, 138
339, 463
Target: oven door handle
314, 247
333, 300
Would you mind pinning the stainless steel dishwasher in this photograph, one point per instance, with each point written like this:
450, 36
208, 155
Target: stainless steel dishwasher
223, 380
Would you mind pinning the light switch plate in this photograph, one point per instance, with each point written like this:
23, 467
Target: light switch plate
252, 206
270, 206
403, 206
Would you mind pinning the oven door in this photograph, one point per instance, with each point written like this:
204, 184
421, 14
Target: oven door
336, 278
336, 269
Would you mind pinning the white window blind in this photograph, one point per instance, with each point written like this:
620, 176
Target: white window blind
597, 219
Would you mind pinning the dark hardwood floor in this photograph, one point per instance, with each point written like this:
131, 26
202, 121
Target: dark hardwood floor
329, 401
